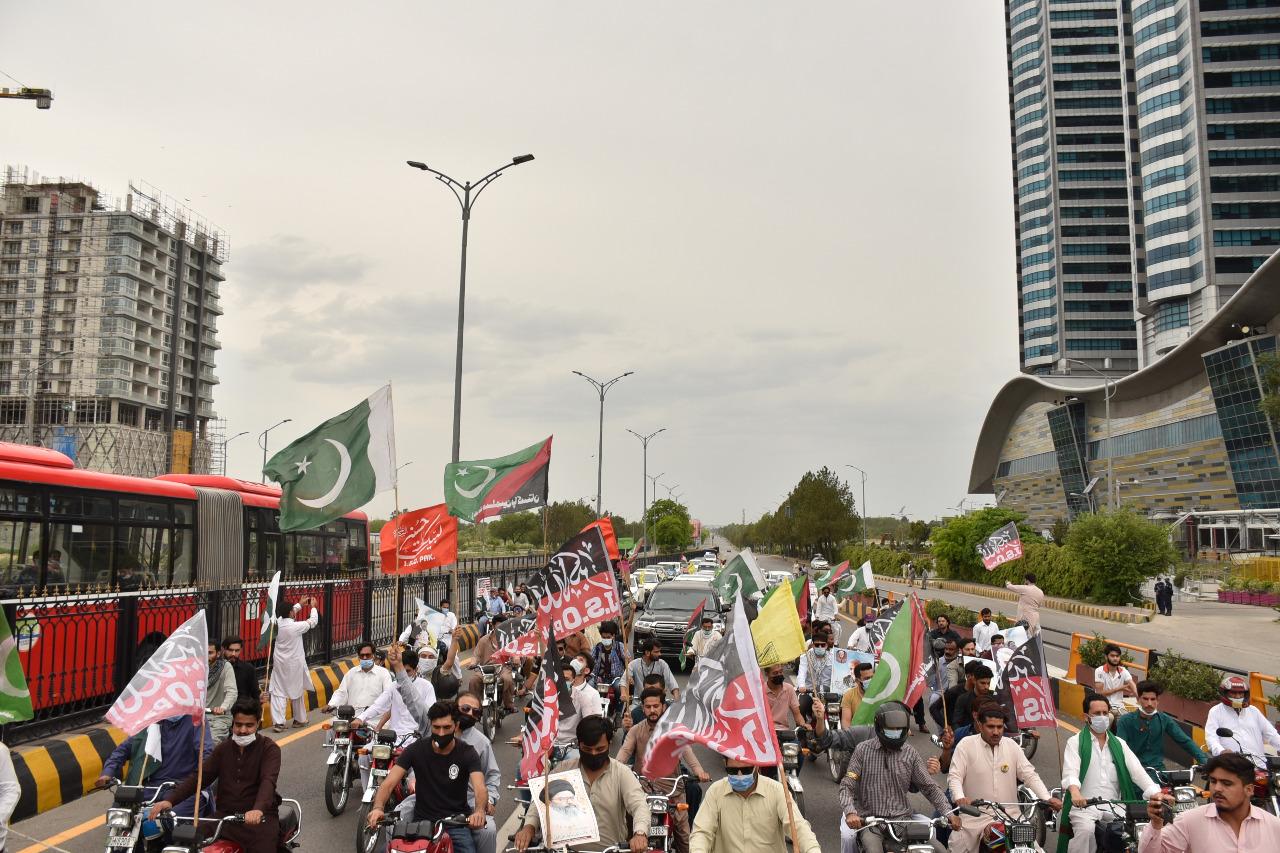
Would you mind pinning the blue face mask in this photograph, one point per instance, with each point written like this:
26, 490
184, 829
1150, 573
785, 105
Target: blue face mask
366, 664
822, 653
606, 642
742, 784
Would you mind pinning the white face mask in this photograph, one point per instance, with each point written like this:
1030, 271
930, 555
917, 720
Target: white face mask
1100, 724
244, 740
426, 666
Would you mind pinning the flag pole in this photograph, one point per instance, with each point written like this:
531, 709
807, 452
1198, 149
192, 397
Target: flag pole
786, 789
199, 766
545, 511
395, 491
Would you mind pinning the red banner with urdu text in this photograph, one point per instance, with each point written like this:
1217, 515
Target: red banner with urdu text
419, 540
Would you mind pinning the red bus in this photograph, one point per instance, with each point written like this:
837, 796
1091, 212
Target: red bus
67, 533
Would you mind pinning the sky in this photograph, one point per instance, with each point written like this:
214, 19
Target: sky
792, 222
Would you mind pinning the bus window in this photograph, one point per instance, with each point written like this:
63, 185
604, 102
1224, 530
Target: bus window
357, 546
19, 500
132, 509
183, 563
19, 553
252, 522
81, 504
308, 552
143, 552
81, 554
271, 546
335, 553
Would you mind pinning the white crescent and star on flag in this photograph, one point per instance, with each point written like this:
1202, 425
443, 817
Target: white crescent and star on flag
344, 472
471, 494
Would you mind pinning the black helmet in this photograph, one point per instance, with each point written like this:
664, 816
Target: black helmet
892, 717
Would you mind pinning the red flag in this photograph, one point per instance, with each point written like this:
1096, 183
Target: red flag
919, 630
516, 638
611, 543
171, 682
1025, 688
1001, 547
419, 540
576, 588
723, 707
542, 723
802, 603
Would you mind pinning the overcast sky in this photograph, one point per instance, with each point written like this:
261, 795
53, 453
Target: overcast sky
793, 222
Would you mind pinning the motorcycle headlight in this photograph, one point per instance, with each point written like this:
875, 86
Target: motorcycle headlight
1184, 795
174, 850
341, 726
119, 818
381, 751
489, 679
791, 750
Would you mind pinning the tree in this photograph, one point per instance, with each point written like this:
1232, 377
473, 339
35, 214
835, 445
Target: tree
565, 520
918, 533
822, 510
1061, 527
955, 546
1119, 549
376, 525
524, 527
672, 533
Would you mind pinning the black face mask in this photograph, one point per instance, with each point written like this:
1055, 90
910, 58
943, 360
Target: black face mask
593, 762
777, 679
442, 741
466, 721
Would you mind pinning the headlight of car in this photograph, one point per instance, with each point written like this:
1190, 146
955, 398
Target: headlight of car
644, 626
119, 818
382, 752
791, 750
341, 726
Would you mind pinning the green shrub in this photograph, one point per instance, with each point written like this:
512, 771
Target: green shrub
1190, 679
1004, 622
1231, 585
1179, 579
1093, 652
937, 607
964, 617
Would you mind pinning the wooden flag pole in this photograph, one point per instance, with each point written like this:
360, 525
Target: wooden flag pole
200, 766
545, 512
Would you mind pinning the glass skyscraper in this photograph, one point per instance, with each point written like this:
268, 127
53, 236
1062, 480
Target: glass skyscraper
1146, 161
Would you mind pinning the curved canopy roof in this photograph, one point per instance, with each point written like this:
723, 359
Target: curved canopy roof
1256, 302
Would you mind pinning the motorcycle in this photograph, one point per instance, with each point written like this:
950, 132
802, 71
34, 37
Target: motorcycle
611, 702
1026, 743
420, 836
128, 813
792, 743
382, 754
837, 759
188, 838
1266, 783
908, 836
1121, 833
1178, 784
492, 711
662, 810
1016, 827
342, 766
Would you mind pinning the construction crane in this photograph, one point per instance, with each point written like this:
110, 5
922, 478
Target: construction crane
42, 97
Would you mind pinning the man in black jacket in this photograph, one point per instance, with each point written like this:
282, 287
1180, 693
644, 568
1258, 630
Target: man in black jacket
246, 675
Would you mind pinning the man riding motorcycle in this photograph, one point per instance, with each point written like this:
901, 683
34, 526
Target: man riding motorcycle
1250, 729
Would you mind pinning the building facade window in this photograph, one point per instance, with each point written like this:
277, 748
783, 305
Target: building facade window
1174, 314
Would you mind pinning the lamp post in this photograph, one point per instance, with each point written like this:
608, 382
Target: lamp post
224, 449
1108, 389
864, 500
644, 486
262, 442
466, 194
34, 373
602, 388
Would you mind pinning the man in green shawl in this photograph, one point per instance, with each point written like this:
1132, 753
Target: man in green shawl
1095, 763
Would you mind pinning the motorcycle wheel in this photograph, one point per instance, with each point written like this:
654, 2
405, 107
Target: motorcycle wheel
367, 841
1029, 745
836, 763
1041, 816
337, 788
489, 721
798, 798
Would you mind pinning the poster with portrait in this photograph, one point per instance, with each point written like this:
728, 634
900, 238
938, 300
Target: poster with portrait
842, 670
572, 820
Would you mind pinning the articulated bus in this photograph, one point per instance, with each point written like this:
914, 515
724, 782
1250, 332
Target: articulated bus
67, 534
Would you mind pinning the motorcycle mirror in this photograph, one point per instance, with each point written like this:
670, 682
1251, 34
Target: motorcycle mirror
970, 811
1225, 733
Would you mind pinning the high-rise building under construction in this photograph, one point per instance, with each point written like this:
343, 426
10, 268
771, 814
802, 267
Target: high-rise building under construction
108, 326
1146, 161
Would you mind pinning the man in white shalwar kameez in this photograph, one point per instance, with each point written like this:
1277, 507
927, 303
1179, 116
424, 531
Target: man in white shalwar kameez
289, 664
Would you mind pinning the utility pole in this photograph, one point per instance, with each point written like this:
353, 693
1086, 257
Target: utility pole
644, 482
602, 388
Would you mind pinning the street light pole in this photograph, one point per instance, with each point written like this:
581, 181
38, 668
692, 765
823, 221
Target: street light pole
644, 485
602, 388
1108, 389
864, 500
224, 450
466, 194
262, 442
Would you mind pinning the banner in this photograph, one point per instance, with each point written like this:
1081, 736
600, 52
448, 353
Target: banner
170, 683
576, 588
722, 707
899, 676
777, 632
611, 542
1025, 688
488, 488
15, 696
1001, 547
270, 624
516, 638
419, 540
542, 722
877, 630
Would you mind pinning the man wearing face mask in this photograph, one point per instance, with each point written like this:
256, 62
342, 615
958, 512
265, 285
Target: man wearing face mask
814, 677
584, 702
222, 694
1096, 764
1251, 731
649, 663
852, 697
880, 775
747, 813
610, 657
702, 640
637, 741
1144, 729
391, 708
179, 741
482, 655
360, 685
247, 769
784, 705
613, 790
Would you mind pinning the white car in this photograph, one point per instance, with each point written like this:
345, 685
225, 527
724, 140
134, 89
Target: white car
818, 562
775, 578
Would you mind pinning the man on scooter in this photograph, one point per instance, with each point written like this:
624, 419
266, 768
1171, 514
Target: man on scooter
1251, 731
482, 655
247, 765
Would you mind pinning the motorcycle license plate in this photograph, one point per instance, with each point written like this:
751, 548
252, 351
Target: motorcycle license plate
657, 830
378, 772
122, 841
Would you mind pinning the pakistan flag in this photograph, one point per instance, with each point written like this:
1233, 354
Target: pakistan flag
337, 467
486, 488
15, 698
740, 576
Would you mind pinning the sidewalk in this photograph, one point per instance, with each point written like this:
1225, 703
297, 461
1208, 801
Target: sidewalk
1111, 612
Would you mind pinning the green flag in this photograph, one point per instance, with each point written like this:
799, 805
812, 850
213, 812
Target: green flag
268, 618
15, 697
740, 576
896, 676
337, 467
474, 491
855, 582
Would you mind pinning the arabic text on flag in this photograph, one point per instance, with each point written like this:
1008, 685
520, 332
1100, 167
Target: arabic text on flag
171, 682
1001, 547
576, 588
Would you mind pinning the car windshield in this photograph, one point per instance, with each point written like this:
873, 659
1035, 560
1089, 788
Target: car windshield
678, 599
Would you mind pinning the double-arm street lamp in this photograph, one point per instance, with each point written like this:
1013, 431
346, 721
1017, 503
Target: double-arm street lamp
864, 500
644, 485
1108, 390
602, 388
262, 442
466, 194
227, 441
